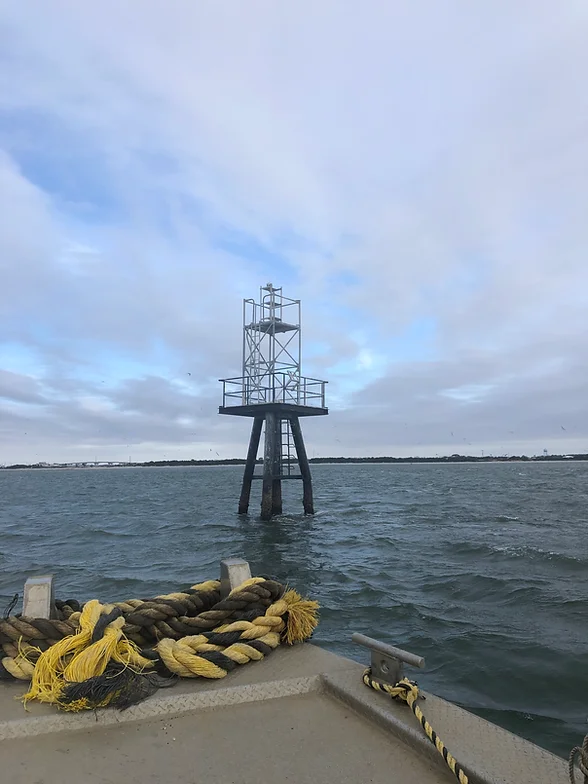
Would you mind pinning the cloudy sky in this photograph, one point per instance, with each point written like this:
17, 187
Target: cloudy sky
415, 171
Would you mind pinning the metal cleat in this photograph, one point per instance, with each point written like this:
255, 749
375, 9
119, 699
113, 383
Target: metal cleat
387, 661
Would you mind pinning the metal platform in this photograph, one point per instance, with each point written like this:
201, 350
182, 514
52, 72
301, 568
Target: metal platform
283, 410
275, 326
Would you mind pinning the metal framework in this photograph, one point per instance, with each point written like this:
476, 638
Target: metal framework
272, 390
271, 346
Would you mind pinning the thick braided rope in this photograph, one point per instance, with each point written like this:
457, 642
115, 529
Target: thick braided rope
253, 597
99, 666
408, 692
214, 654
145, 612
146, 621
189, 603
579, 755
200, 609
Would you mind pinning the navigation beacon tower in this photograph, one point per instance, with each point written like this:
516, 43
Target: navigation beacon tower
271, 390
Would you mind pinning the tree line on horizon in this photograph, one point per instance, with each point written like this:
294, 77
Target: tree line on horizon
455, 458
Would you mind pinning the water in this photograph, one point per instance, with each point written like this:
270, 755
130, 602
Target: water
481, 568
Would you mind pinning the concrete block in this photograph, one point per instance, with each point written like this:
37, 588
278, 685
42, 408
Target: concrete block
39, 597
234, 571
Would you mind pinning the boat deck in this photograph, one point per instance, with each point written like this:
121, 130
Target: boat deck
302, 715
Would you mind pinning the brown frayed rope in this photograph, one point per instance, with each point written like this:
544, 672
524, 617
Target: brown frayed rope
147, 621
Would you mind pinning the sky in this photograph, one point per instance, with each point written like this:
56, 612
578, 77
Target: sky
416, 172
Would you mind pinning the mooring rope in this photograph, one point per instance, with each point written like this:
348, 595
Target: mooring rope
579, 756
146, 620
408, 692
173, 615
214, 654
89, 660
10, 607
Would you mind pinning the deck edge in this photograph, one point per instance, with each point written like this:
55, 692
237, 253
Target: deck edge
169, 705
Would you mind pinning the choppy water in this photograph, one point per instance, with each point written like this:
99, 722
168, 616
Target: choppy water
481, 568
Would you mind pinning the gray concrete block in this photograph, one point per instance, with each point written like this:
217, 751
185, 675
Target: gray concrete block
234, 571
39, 597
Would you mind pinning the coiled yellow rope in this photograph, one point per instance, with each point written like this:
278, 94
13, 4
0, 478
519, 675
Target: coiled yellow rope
99, 666
408, 692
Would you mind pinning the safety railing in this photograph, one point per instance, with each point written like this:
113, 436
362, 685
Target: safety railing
276, 388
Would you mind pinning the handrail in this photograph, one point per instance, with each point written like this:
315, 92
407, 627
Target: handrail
279, 387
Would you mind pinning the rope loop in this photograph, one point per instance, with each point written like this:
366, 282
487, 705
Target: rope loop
408, 691
579, 757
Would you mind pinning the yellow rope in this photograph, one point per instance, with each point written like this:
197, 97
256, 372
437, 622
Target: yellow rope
579, 755
182, 656
99, 645
291, 618
76, 658
408, 691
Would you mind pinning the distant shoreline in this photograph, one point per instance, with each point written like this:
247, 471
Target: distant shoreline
314, 460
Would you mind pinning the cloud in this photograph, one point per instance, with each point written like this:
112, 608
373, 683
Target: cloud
19, 388
415, 174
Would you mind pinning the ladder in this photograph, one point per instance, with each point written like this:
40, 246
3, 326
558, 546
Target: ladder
289, 458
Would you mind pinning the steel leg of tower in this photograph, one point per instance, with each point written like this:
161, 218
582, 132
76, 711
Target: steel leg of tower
277, 468
307, 499
250, 465
269, 459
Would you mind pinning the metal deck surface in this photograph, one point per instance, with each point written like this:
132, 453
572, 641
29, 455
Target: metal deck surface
302, 715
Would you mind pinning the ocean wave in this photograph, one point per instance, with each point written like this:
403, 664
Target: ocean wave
523, 551
467, 588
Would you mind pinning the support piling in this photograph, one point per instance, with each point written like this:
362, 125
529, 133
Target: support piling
267, 490
307, 498
277, 468
250, 465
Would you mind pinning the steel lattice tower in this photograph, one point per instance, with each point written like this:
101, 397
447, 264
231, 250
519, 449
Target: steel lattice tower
272, 390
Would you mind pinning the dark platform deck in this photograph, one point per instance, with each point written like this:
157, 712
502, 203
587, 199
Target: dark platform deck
282, 410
